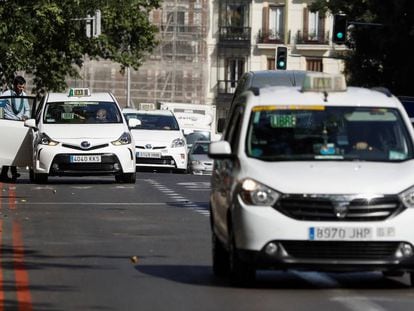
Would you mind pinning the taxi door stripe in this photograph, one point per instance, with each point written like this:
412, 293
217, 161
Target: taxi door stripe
24, 298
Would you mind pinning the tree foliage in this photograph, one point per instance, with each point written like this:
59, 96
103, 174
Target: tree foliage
47, 38
380, 55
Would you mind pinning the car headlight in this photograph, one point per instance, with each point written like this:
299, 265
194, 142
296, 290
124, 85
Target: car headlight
407, 197
46, 140
196, 162
255, 193
178, 142
125, 139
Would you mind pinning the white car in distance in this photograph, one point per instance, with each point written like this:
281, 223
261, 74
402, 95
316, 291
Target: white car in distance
159, 141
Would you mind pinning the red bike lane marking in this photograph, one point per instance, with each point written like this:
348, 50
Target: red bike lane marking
24, 298
1, 263
12, 197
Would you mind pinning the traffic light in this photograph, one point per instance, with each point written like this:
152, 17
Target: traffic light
281, 58
339, 29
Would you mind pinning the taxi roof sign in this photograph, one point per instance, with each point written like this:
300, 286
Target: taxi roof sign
323, 82
79, 92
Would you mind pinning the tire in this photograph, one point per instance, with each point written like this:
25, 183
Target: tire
242, 274
31, 175
40, 178
412, 278
221, 264
127, 178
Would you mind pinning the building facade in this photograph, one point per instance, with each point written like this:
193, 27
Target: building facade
206, 45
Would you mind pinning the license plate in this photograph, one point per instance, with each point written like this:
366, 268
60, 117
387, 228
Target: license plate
340, 233
149, 154
85, 159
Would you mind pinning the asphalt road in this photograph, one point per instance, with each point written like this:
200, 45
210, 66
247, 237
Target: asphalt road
92, 244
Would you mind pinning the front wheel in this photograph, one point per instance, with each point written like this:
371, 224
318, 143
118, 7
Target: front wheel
40, 178
221, 264
127, 178
241, 273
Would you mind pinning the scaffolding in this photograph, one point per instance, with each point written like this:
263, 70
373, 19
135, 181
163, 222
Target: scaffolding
177, 69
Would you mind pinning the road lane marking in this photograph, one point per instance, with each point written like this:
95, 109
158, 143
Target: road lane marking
24, 298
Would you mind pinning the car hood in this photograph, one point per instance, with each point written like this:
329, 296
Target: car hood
333, 177
84, 131
200, 157
153, 136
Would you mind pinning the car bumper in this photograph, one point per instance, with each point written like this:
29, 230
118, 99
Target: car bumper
269, 239
56, 161
175, 158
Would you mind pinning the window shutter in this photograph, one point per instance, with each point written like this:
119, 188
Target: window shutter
265, 21
305, 23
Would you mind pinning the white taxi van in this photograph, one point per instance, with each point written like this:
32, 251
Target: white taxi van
72, 134
318, 177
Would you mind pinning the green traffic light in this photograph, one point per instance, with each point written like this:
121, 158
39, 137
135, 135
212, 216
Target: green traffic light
281, 64
340, 35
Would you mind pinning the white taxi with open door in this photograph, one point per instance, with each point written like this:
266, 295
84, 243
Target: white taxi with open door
72, 134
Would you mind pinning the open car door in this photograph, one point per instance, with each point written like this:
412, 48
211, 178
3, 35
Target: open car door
16, 142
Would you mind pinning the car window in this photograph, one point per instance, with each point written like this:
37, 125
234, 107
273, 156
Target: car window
200, 148
155, 121
73, 112
328, 133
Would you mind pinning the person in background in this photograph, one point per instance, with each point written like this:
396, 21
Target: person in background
15, 109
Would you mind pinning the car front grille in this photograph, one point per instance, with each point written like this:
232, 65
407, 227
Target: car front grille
61, 165
330, 208
340, 250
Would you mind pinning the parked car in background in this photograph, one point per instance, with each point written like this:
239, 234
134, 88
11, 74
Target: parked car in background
159, 141
199, 163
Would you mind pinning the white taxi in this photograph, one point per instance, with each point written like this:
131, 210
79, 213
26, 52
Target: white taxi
159, 141
318, 177
74, 134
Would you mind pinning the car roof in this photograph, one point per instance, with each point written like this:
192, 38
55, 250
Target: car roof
99, 96
353, 96
262, 78
149, 112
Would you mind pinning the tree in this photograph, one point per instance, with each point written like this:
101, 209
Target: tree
380, 55
47, 38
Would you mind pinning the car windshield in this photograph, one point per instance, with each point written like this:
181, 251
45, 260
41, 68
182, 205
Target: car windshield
200, 148
294, 133
72, 112
198, 135
154, 121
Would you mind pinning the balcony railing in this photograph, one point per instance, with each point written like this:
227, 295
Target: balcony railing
226, 86
234, 34
270, 36
312, 38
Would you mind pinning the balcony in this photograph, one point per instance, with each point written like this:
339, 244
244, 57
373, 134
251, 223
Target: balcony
234, 36
270, 37
226, 86
321, 38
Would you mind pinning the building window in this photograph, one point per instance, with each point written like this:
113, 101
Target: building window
313, 27
276, 22
314, 64
234, 70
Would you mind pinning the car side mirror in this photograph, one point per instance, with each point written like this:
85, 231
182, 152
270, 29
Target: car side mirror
30, 123
133, 122
220, 150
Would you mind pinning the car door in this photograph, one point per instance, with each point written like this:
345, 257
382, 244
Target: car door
16, 139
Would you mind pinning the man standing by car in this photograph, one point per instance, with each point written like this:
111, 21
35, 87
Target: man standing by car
15, 109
